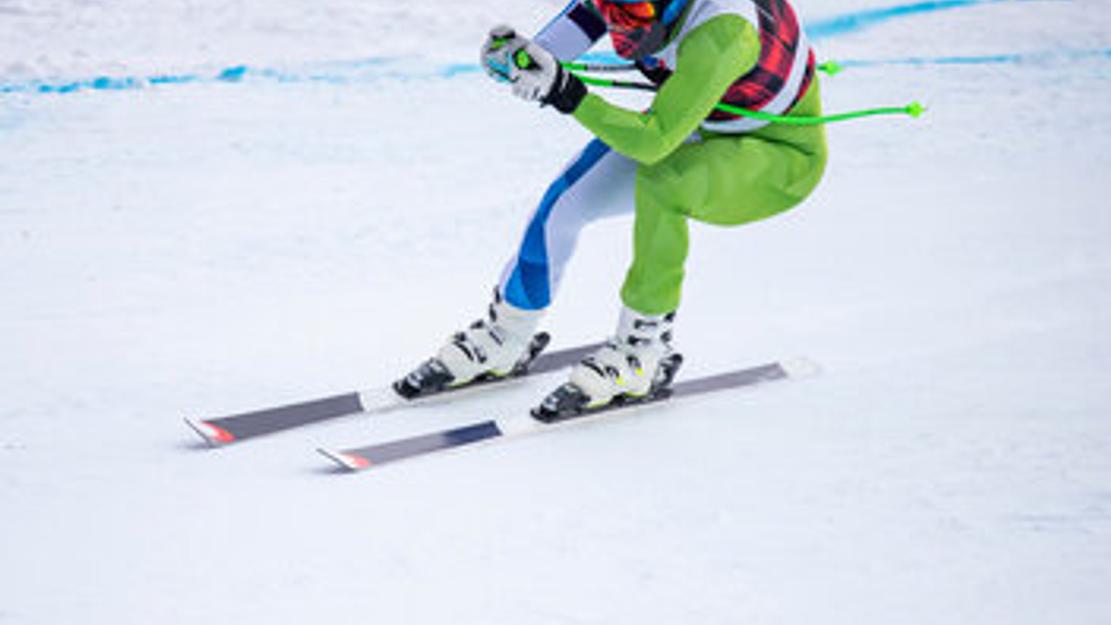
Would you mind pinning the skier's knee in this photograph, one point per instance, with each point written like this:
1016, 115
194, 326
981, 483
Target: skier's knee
661, 187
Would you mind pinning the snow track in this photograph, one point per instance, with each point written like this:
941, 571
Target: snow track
250, 241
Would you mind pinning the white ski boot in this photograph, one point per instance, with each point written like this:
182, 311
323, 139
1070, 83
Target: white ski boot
636, 363
493, 347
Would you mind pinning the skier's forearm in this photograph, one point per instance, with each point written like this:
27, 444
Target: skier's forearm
709, 61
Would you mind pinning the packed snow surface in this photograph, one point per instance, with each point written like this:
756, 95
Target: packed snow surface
209, 206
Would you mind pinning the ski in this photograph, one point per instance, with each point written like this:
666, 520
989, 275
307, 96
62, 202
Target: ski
222, 431
361, 458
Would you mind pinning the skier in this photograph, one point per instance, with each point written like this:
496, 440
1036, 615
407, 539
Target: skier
679, 160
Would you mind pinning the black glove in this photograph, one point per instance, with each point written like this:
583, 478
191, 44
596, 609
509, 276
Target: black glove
567, 92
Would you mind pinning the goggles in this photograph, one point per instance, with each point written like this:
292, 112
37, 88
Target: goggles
627, 16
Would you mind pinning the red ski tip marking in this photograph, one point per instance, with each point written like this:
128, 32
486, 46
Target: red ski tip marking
212, 433
353, 461
347, 460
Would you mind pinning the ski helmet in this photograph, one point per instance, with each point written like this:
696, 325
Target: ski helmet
640, 27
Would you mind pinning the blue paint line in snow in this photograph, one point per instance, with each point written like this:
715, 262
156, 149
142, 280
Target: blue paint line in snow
459, 69
338, 72
850, 23
988, 59
233, 74
172, 80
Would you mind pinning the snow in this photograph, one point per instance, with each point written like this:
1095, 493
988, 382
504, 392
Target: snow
204, 247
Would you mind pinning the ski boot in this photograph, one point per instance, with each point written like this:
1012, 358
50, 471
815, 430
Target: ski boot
636, 365
501, 344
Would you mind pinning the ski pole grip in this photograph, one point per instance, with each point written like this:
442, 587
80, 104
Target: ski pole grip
523, 60
501, 35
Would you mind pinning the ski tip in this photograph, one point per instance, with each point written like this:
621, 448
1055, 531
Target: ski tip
212, 434
800, 367
346, 460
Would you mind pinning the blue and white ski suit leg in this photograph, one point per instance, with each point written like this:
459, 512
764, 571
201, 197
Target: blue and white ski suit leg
596, 184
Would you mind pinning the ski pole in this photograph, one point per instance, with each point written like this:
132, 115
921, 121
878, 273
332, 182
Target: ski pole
523, 60
832, 68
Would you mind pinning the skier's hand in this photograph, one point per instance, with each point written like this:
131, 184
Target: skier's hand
497, 52
535, 71
535, 74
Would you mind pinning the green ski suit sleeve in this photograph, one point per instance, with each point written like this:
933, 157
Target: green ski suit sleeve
709, 60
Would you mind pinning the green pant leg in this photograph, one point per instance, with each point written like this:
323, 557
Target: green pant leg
660, 244
723, 180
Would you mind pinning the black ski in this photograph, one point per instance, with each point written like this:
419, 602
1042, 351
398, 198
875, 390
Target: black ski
360, 458
230, 429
